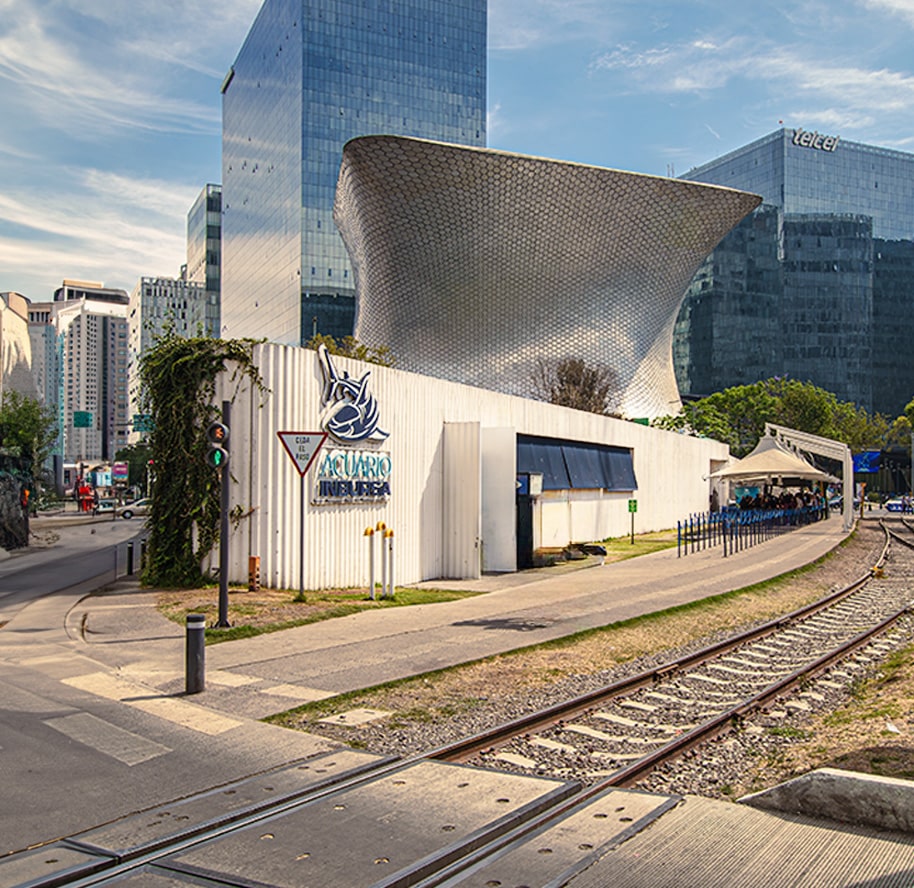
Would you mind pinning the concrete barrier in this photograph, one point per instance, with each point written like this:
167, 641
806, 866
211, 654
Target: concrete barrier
845, 796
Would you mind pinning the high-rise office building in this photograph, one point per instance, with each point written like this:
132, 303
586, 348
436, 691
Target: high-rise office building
311, 75
204, 252
816, 284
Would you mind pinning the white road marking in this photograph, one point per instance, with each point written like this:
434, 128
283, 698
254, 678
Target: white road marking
106, 738
177, 711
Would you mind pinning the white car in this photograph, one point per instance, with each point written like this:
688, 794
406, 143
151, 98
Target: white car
138, 507
896, 504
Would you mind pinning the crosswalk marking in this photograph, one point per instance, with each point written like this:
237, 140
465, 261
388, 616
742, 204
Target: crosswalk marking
110, 740
177, 711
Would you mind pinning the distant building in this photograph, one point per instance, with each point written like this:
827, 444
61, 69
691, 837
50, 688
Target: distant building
204, 252
15, 346
308, 78
157, 305
80, 358
817, 284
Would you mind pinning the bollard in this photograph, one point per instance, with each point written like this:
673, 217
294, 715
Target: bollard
130, 559
369, 533
194, 669
390, 554
383, 567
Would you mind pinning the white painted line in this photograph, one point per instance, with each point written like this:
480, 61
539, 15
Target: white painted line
177, 711
297, 692
106, 738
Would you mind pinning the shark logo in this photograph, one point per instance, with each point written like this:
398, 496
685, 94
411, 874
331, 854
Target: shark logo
350, 413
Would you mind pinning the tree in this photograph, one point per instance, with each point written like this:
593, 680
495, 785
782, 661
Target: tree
572, 382
350, 347
737, 415
28, 429
137, 456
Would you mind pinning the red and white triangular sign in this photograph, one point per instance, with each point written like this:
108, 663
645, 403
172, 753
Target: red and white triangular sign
302, 447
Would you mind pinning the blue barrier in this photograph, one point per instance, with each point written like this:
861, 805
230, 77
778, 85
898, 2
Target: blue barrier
737, 529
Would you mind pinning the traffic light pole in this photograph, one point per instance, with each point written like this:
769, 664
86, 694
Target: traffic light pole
223, 621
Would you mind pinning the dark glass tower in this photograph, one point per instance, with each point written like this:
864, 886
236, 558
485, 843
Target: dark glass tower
838, 221
311, 75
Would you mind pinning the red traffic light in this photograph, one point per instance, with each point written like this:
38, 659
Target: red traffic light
217, 433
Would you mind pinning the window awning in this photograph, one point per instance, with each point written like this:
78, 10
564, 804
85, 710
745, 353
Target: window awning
574, 465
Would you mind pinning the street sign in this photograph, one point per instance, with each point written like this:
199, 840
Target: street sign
302, 447
82, 419
633, 505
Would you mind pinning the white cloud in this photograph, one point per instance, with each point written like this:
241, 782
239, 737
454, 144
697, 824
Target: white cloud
107, 227
903, 8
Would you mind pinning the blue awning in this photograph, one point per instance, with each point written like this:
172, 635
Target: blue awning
574, 465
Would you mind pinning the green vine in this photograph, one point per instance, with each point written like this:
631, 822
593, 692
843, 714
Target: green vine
179, 386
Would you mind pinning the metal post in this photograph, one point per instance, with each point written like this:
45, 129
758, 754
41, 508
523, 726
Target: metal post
390, 551
301, 543
383, 567
225, 478
130, 558
195, 645
369, 534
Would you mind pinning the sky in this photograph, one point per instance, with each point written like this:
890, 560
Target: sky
110, 110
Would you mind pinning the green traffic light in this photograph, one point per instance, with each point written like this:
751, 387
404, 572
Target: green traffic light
217, 457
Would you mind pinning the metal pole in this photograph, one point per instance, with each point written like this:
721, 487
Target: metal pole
383, 567
301, 543
369, 534
223, 622
390, 550
195, 645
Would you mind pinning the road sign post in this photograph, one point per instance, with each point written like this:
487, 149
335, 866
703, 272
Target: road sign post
632, 508
302, 448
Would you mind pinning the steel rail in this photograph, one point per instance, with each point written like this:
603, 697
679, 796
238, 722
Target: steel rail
468, 747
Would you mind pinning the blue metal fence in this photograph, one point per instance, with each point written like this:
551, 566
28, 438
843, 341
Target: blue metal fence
737, 529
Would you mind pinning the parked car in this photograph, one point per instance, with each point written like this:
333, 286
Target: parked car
138, 507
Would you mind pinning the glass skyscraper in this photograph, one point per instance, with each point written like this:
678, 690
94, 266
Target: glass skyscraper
817, 283
311, 75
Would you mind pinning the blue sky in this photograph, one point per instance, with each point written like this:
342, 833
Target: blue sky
110, 109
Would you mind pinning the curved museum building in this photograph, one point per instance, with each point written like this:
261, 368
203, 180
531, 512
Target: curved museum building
473, 264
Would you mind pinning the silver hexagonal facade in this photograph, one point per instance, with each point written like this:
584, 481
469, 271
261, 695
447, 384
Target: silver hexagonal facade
473, 263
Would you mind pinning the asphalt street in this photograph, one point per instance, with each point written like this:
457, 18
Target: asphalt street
73, 755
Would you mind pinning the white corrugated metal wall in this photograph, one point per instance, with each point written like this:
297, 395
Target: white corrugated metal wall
671, 470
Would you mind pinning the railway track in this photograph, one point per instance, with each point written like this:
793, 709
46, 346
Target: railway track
618, 735
355, 819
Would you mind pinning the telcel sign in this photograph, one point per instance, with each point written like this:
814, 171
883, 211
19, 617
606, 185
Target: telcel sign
815, 139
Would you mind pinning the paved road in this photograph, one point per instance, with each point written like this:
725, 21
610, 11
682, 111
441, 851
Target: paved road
79, 745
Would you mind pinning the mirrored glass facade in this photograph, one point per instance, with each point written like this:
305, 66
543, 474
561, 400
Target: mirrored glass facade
311, 75
816, 284
204, 251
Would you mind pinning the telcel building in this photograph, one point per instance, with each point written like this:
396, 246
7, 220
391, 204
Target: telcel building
311, 75
818, 283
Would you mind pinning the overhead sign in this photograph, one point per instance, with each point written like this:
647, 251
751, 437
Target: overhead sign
302, 447
82, 419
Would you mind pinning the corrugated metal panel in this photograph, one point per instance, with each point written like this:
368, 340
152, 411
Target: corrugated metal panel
414, 410
462, 500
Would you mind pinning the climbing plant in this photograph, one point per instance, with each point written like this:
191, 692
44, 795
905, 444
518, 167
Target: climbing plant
179, 386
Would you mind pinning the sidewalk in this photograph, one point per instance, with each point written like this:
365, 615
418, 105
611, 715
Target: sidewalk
256, 677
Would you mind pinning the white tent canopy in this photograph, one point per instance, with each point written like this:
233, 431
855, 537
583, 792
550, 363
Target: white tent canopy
769, 462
